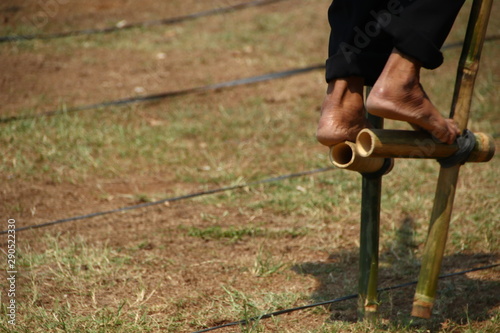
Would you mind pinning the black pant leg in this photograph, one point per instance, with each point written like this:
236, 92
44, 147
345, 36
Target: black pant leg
358, 46
422, 27
364, 32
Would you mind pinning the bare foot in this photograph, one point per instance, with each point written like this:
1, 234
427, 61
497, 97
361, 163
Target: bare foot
342, 112
398, 95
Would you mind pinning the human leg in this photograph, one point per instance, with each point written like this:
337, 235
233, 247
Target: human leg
360, 48
352, 63
357, 45
397, 93
342, 112
420, 27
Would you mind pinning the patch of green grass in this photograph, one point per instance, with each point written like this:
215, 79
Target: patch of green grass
76, 270
266, 264
62, 319
216, 232
247, 306
76, 146
234, 234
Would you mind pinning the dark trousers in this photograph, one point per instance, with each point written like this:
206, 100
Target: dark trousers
364, 32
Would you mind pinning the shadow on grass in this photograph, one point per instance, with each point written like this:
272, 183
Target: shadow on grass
461, 299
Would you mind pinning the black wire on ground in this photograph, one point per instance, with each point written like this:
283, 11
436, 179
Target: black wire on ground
337, 300
154, 97
207, 88
173, 20
178, 198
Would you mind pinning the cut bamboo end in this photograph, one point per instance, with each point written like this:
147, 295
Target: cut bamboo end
422, 309
417, 144
484, 149
345, 156
371, 312
342, 154
365, 143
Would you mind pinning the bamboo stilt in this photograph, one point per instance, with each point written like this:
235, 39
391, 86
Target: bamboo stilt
369, 248
378, 143
445, 192
369, 241
345, 156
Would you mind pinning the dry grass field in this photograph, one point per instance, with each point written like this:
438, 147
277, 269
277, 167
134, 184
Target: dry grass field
186, 265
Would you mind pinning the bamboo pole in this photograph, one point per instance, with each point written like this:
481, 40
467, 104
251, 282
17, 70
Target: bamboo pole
369, 248
345, 156
371, 189
440, 218
417, 144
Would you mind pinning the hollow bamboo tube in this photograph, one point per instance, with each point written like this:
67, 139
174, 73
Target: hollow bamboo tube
445, 193
344, 156
417, 144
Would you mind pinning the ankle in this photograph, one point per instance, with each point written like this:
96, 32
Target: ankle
402, 68
345, 91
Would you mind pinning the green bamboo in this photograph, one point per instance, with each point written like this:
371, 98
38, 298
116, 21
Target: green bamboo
369, 241
368, 250
445, 193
